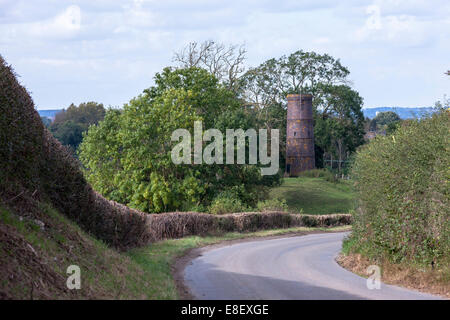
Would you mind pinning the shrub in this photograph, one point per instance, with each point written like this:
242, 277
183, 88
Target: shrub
272, 205
225, 203
402, 183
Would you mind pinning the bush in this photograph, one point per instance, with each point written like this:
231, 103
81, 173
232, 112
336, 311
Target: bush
226, 203
272, 205
402, 184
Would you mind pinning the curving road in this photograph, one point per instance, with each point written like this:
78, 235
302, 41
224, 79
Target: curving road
294, 268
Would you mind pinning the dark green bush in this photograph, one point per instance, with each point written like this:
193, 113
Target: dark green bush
403, 185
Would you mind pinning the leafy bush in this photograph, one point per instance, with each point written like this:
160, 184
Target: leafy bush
403, 186
272, 205
226, 202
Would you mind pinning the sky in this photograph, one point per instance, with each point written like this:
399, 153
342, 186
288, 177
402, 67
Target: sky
109, 51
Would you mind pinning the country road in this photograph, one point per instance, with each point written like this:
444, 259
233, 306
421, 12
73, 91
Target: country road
301, 267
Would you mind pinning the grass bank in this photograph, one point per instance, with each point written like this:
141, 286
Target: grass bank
35, 253
315, 195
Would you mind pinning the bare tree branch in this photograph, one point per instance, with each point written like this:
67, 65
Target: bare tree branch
226, 63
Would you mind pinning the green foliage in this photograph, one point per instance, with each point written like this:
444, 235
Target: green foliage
339, 121
272, 205
388, 121
207, 97
301, 71
226, 202
385, 118
69, 125
403, 186
69, 133
21, 134
34, 167
391, 127
127, 156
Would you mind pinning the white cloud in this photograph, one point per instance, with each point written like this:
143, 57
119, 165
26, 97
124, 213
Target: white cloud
64, 25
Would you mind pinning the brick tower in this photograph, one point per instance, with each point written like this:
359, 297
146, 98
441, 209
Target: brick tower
299, 135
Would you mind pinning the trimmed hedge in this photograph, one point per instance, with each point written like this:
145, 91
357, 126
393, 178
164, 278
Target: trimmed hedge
181, 224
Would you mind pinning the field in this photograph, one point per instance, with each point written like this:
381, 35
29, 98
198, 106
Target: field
316, 195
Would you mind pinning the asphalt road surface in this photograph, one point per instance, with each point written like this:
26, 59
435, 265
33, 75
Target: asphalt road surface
295, 268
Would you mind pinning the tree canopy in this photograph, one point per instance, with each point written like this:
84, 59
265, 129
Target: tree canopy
69, 125
128, 155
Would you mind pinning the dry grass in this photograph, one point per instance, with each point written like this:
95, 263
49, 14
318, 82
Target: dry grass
426, 280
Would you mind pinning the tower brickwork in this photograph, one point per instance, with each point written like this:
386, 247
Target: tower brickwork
299, 135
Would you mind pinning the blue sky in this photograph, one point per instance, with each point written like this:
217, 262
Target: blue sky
108, 51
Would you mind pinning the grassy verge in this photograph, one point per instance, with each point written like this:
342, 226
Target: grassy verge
434, 281
315, 195
158, 258
431, 279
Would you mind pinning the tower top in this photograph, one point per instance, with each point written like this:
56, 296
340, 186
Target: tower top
296, 96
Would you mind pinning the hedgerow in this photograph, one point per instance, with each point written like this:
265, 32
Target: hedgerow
402, 182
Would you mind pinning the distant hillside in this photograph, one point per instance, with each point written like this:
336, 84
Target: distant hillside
404, 113
48, 113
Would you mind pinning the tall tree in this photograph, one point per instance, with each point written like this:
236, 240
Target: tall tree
337, 107
300, 72
340, 124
